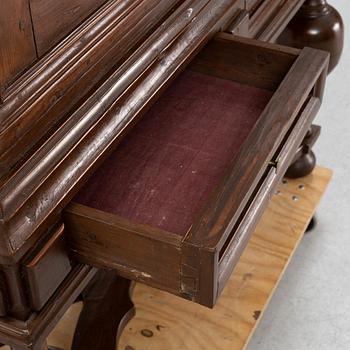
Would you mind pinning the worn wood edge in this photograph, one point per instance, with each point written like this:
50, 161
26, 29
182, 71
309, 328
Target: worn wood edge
303, 74
76, 210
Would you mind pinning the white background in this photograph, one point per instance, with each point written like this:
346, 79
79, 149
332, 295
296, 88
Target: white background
311, 307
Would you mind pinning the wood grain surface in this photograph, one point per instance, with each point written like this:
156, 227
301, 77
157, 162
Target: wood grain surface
53, 20
17, 49
164, 321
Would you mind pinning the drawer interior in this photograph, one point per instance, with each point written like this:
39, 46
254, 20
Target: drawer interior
164, 171
175, 203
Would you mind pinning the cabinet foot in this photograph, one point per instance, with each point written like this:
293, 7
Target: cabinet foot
317, 24
303, 165
312, 224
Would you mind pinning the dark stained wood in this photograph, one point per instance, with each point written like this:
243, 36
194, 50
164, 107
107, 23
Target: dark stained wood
53, 20
34, 331
53, 168
232, 252
36, 346
268, 18
3, 301
17, 301
262, 13
42, 99
274, 26
85, 225
240, 24
196, 268
252, 5
17, 49
47, 269
64, 112
265, 66
269, 131
309, 140
106, 310
319, 25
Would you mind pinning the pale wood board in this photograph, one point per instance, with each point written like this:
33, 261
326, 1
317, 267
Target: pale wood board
179, 324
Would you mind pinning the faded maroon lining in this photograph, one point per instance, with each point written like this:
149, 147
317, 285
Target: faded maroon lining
164, 171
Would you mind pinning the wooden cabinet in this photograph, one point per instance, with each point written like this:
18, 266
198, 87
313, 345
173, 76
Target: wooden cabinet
175, 204
79, 80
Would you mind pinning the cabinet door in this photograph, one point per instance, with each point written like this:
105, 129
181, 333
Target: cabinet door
17, 49
53, 19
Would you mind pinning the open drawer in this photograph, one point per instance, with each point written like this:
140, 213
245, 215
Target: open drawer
175, 204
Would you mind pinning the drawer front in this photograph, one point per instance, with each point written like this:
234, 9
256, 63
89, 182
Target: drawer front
47, 270
233, 248
53, 20
196, 263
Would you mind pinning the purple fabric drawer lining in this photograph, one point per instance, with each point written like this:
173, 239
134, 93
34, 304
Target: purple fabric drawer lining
164, 171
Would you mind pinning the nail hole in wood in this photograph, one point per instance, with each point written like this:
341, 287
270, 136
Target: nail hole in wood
147, 333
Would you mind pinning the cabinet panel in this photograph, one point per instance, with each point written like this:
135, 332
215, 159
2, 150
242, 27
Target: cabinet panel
17, 49
53, 19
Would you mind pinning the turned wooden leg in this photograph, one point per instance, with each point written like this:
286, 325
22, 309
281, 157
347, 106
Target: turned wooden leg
106, 309
305, 160
317, 24
311, 225
302, 166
